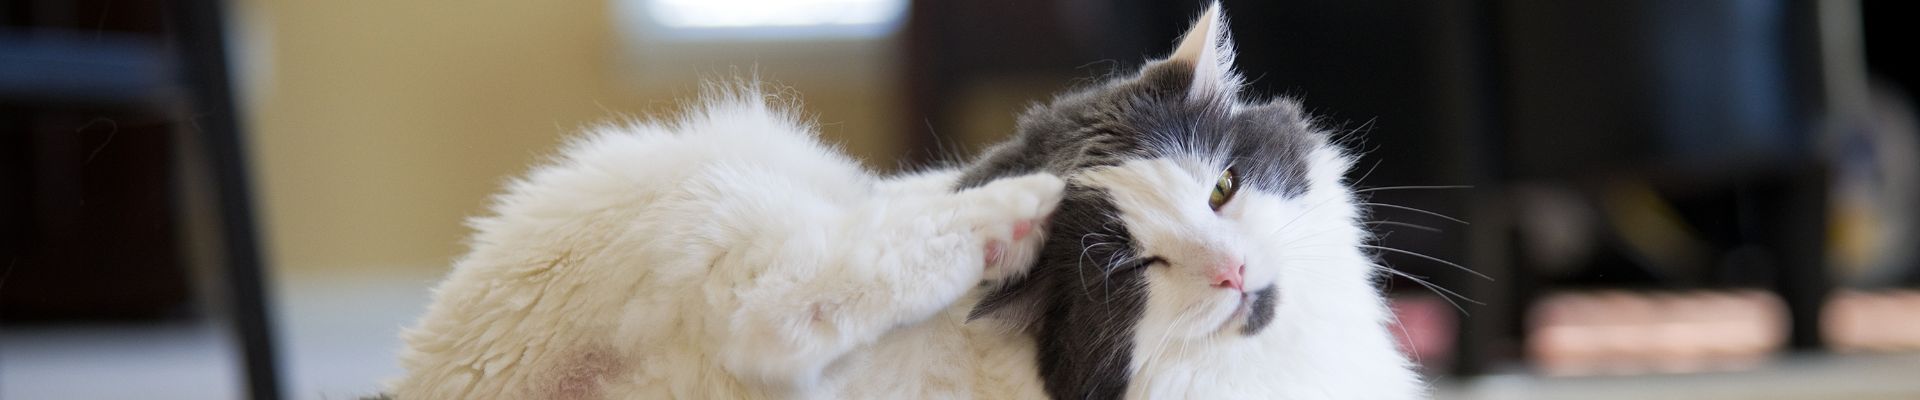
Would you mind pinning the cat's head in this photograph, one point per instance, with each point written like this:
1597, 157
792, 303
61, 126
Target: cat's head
1195, 217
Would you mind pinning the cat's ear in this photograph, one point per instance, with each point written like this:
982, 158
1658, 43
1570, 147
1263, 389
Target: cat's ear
1207, 48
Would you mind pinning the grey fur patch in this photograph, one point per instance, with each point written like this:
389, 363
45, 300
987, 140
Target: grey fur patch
1261, 314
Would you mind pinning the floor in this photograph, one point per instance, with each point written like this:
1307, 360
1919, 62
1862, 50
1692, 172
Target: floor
1860, 377
339, 337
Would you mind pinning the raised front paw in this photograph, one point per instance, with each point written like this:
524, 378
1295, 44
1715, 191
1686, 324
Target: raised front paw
1009, 217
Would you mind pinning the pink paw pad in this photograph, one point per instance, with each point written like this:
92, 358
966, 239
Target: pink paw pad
995, 251
1022, 229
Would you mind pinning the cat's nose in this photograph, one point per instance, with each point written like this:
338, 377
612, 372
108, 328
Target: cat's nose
1230, 276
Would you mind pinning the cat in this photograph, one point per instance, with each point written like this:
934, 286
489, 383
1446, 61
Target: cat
1152, 236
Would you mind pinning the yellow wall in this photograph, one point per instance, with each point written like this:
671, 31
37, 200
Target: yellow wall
378, 125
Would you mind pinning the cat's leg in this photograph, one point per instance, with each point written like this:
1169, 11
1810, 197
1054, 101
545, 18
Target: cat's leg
895, 261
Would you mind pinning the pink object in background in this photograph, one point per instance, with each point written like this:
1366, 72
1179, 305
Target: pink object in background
1425, 328
1879, 321
1622, 333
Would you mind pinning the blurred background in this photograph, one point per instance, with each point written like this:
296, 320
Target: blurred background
1704, 199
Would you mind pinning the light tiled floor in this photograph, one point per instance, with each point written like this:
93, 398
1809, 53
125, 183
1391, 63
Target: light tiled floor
1865, 377
185, 362
337, 340
339, 334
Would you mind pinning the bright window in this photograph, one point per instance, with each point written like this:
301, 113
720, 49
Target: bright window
770, 19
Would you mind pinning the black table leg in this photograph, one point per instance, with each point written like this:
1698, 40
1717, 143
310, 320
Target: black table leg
203, 57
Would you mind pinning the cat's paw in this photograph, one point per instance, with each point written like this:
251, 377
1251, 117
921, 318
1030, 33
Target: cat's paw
1009, 217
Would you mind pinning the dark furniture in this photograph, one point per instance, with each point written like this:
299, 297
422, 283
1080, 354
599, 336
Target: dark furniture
106, 107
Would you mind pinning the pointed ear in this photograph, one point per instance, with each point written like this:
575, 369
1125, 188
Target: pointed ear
1207, 48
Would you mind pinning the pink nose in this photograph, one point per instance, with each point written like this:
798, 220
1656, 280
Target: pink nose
1229, 276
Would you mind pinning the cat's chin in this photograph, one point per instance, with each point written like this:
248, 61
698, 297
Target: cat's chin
1227, 317
1238, 320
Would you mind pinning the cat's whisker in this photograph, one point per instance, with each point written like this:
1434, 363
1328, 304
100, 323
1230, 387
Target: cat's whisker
1413, 350
1165, 334
1443, 292
1401, 207
1297, 239
1186, 316
1080, 266
1106, 282
1411, 187
1437, 290
1304, 213
1429, 258
1085, 255
1403, 224
1363, 176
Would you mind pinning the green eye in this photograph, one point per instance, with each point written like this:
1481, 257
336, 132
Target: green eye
1223, 190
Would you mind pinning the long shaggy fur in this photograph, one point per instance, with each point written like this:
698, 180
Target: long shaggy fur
730, 254
724, 255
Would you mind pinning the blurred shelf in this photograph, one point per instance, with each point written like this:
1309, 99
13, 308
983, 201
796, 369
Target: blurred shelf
1836, 377
42, 66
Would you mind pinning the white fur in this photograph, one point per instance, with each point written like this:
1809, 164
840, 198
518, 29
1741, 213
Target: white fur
729, 255
1328, 339
732, 256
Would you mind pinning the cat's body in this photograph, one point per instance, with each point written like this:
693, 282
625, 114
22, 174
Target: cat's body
700, 260
731, 255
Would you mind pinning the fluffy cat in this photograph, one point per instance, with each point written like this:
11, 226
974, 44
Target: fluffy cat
1154, 236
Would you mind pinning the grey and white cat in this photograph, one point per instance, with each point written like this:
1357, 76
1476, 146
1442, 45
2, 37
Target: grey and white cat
1155, 236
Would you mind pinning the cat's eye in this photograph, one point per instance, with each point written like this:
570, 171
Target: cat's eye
1223, 189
